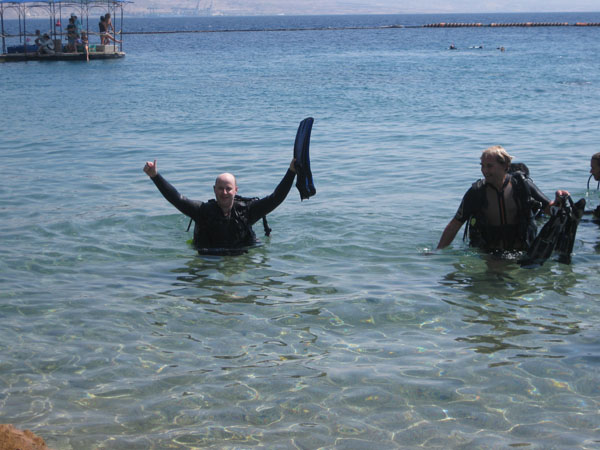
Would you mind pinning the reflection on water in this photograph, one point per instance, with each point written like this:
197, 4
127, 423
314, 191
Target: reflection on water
248, 278
597, 244
507, 279
508, 308
224, 279
268, 361
338, 333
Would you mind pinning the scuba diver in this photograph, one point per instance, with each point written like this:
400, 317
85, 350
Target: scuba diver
558, 234
595, 173
223, 225
595, 168
500, 208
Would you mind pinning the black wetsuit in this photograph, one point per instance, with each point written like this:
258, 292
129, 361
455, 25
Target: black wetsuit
213, 230
501, 220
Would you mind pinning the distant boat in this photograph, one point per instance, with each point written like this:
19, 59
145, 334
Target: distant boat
54, 50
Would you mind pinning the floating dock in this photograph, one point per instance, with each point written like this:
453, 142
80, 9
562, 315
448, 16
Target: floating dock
57, 10
95, 52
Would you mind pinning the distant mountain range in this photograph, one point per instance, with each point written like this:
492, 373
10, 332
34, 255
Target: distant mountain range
149, 8
316, 7
263, 7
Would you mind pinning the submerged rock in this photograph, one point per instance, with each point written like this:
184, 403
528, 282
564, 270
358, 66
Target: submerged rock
12, 438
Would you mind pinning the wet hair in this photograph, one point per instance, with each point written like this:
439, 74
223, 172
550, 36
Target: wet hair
596, 157
499, 153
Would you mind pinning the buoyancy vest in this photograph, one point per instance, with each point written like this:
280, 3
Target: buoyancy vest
215, 231
481, 234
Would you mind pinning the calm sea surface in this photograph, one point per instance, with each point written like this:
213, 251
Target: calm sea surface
344, 330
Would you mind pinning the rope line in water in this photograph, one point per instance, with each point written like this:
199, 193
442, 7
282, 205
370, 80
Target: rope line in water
255, 30
512, 24
381, 27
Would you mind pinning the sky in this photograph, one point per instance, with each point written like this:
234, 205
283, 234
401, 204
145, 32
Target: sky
312, 7
466, 6
379, 6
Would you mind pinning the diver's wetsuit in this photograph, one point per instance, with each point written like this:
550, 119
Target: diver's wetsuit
501, 220
212, 229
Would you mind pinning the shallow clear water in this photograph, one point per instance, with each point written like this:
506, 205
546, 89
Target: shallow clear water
343, 330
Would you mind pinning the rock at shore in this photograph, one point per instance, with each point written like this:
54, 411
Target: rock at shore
12, 438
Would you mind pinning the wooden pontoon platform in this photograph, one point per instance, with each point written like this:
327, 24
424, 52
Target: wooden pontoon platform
17, 46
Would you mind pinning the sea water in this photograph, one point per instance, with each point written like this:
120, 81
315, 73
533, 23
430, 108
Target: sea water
345, 329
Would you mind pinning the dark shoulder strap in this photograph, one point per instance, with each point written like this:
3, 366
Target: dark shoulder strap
521, 186
208, 204
266, 227
478, 187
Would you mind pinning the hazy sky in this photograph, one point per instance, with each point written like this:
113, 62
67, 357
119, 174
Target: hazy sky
466, 6
504, 5
396, 6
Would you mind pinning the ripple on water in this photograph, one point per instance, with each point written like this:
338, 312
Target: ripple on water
343, 329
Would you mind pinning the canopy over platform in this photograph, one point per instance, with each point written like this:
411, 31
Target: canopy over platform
55, 11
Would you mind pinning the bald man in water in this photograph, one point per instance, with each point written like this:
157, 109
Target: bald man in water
226, 222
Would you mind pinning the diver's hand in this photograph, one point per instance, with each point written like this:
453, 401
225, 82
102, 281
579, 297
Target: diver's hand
559, 197
150, 169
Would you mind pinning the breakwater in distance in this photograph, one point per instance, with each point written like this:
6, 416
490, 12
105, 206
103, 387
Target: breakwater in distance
431, 25
512, 24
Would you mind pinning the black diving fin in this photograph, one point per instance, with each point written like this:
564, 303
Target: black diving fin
304, 180
564, 246
557, 234
544, 243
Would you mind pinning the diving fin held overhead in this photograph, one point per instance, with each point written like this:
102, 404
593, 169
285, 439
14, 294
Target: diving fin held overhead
304, 181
